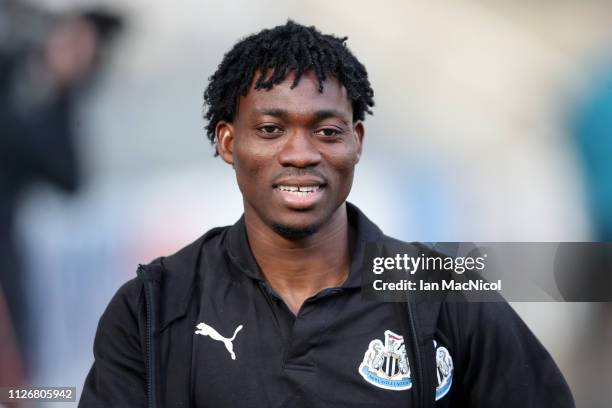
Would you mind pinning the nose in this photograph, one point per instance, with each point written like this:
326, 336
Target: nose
299, 151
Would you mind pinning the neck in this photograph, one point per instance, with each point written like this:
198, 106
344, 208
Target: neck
299, 268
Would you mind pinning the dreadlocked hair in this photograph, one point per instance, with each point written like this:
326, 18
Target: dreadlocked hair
273, 54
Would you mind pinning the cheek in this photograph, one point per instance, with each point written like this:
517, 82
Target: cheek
342, 166
343, 161
250, 166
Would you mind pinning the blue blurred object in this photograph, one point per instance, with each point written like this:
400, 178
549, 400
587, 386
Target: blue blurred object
593, 131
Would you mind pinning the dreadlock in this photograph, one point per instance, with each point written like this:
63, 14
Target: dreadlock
273, 53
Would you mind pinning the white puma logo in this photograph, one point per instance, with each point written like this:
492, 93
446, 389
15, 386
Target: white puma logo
206, 330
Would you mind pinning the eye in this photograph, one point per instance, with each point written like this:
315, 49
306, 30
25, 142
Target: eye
328, 132
270, 129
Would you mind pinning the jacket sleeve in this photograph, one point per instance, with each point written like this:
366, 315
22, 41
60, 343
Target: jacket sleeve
504, 364
117, 377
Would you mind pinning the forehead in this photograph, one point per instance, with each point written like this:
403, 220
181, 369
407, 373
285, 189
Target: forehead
305, 98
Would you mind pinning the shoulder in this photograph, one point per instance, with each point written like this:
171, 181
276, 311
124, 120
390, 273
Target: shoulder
126, 302
183, 262
121, 323
176, 276
186, 257
173, 271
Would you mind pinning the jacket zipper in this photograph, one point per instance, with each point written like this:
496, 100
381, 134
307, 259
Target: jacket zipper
417, 352
150, 341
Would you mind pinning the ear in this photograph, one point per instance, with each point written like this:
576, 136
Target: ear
224, 133
358, 133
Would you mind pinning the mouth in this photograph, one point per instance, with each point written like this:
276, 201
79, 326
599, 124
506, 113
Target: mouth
300, 197
300, 191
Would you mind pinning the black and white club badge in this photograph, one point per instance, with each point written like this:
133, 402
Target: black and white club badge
444, 370
385, 365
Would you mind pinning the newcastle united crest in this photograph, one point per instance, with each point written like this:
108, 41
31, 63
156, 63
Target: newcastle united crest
386, 365
444, 370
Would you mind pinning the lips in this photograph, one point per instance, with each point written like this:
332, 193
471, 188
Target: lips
299, 191
299, 194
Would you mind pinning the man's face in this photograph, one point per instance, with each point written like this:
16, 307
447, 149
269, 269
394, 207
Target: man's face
294, 152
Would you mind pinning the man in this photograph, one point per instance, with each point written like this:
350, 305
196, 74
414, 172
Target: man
45, 61
269, 312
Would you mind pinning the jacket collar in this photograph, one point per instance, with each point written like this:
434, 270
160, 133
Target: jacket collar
239, 251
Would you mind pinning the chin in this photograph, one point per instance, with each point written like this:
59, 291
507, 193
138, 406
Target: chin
294, 231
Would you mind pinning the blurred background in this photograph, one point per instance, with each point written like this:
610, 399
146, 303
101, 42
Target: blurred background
493, 122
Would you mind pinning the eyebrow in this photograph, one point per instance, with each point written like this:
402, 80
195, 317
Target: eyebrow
279, 113
319, 115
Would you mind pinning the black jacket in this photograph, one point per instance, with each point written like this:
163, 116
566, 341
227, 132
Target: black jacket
143, 360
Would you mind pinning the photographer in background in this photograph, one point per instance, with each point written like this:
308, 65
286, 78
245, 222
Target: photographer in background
44, 59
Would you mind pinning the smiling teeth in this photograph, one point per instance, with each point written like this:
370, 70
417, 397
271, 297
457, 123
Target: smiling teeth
301, 191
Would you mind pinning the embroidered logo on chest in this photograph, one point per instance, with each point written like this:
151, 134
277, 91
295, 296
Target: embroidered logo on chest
444, 370
206, 330
385, 365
